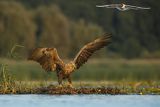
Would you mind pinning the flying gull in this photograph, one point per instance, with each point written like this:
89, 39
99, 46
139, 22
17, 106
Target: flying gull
123, 7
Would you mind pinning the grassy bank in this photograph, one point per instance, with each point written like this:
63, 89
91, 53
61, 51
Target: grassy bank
106, 76
83, 87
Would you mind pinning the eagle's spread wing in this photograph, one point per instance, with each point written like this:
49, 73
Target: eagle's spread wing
46, 57
90, 48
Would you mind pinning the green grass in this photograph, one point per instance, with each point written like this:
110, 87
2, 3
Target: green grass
94, 70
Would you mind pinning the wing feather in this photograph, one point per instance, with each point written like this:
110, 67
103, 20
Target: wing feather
109, 6
46, 57
87, 51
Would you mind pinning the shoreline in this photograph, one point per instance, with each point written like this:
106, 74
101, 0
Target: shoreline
80, 90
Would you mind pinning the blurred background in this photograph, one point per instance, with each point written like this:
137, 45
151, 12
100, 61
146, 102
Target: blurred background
69, 24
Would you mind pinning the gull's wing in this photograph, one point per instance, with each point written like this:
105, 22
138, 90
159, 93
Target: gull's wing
109, 6
90, 48
136, 7
46, 57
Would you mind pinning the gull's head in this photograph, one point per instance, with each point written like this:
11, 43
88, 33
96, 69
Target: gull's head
123, 5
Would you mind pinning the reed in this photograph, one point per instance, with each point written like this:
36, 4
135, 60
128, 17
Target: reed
7, 82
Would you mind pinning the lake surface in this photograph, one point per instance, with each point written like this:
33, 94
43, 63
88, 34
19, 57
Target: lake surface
79, 100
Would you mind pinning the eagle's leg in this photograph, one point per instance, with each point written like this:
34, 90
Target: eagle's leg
60, 82
69, 81
60, 79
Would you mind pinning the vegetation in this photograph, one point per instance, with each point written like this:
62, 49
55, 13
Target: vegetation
94, 70
107, 70
114, 88
16, 26
67, 26
7, 83
111, 76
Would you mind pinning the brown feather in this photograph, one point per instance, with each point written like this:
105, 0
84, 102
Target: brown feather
46, 57
90, 48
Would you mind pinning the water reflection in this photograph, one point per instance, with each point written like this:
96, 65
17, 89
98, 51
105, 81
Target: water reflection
79, 101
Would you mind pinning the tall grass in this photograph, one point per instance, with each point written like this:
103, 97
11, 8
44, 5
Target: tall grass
105, 70
12, 53
21, 76
7, 82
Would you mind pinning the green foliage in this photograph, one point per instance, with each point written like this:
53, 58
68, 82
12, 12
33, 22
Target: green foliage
49, 22
102, 69
82, 33
16, 26
52, 29
7, 83
12, 53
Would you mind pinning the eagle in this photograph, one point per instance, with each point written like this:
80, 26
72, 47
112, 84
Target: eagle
122, 7
50, 61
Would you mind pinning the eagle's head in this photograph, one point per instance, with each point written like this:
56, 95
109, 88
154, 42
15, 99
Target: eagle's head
49, 51
36, 54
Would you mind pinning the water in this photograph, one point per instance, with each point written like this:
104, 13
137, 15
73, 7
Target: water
79, 101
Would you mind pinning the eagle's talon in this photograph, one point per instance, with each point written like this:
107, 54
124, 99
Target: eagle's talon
70, 85
59, 86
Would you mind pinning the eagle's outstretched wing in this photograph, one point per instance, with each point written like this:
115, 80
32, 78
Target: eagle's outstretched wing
90, 48
46, 57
